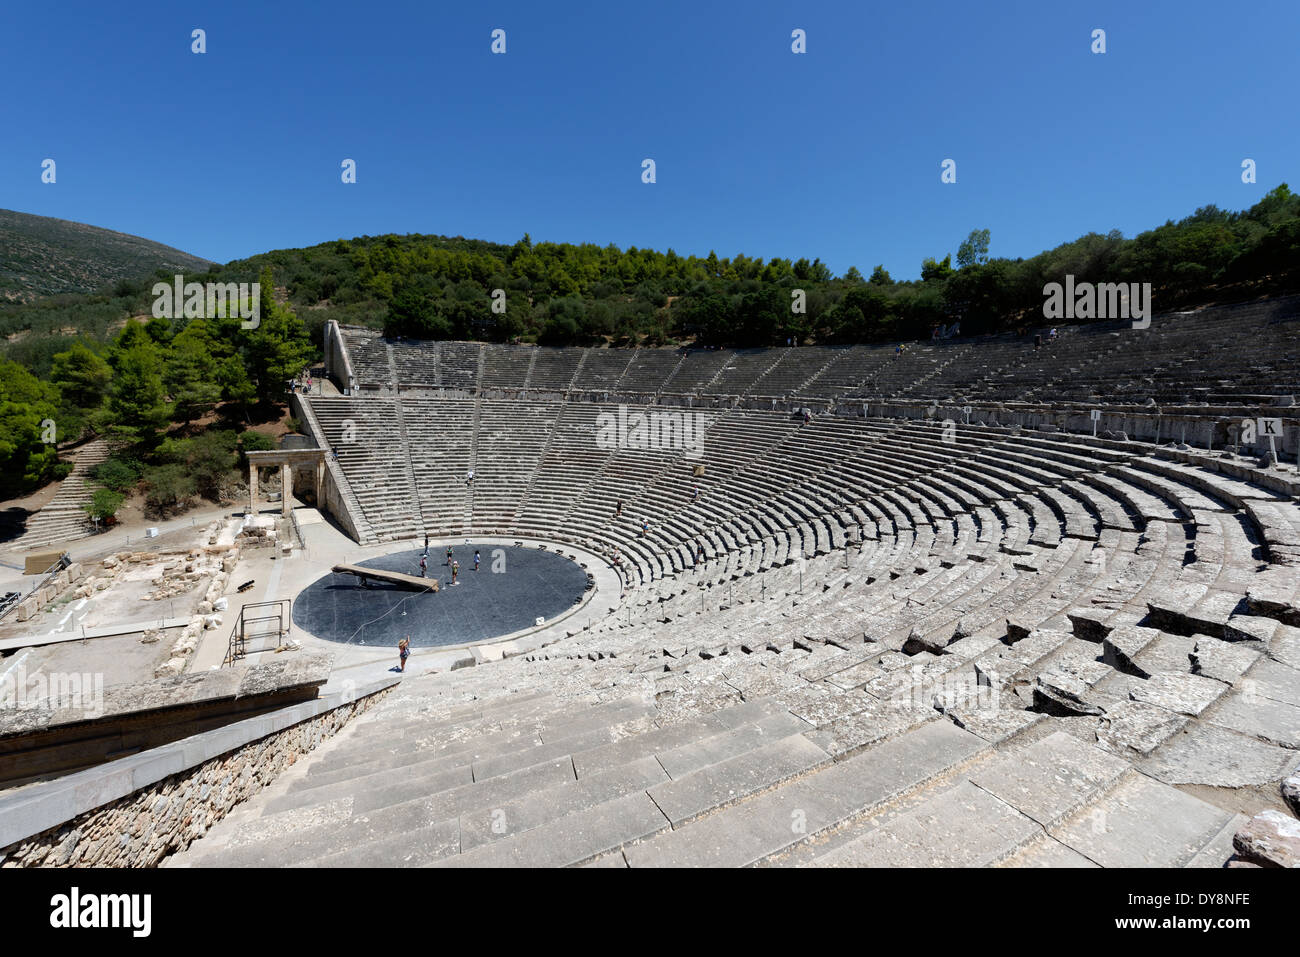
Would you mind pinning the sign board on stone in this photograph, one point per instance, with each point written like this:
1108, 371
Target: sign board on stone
38, 563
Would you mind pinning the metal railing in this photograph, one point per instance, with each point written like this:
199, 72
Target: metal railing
9, 604
237, 647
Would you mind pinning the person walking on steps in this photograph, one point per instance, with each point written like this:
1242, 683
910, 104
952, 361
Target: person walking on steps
404, 651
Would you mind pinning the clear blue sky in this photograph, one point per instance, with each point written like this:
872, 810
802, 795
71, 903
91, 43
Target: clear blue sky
834, 153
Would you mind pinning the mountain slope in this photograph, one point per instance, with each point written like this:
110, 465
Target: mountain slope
41, 256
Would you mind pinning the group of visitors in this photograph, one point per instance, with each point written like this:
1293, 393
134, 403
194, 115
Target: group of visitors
302, 382
404, 646
451, 563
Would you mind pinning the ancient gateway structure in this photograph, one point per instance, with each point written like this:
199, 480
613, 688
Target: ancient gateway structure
288, 461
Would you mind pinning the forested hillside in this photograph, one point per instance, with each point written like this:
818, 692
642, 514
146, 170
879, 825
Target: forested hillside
75, 359
41, 256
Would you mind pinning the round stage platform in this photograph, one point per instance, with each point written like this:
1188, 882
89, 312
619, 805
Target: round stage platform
513, 587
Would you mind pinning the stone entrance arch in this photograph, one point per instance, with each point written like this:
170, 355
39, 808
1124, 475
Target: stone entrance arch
287, 460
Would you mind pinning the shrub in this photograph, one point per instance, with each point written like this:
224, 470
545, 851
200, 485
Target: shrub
104, 504
251, 441
118, 474
168, 488
208, 459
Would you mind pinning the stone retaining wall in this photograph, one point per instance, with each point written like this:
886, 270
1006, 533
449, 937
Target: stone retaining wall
143, 827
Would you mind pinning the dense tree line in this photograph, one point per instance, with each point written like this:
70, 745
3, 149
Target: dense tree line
71, 358
141, 389
559, 293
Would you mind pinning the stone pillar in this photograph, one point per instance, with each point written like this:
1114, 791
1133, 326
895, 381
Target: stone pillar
320, 481
252, 489
286, 489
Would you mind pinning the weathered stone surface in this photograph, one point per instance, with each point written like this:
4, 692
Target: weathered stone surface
1285, 646
1062, 694
1222, 660
1291, 791
1169, 610
918, 642
1142, 823
1209, 754
1272, 601
1137, 727
1258, 716
1167, 653
1051, 778
1249, 628
963, 827
994, 725
1270, 839
1125, 643
286, 671
853, 732
1182, 693
1272, 679
1089, 624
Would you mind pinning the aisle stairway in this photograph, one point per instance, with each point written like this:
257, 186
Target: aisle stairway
64, 518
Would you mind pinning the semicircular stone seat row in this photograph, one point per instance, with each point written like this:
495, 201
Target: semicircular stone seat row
1221, 354
865, 642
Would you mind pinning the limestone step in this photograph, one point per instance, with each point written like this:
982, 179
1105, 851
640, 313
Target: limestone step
798, 811
572, 839
733, 779
376, 788
1144, 823
431, 740
368, 822
964, 826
